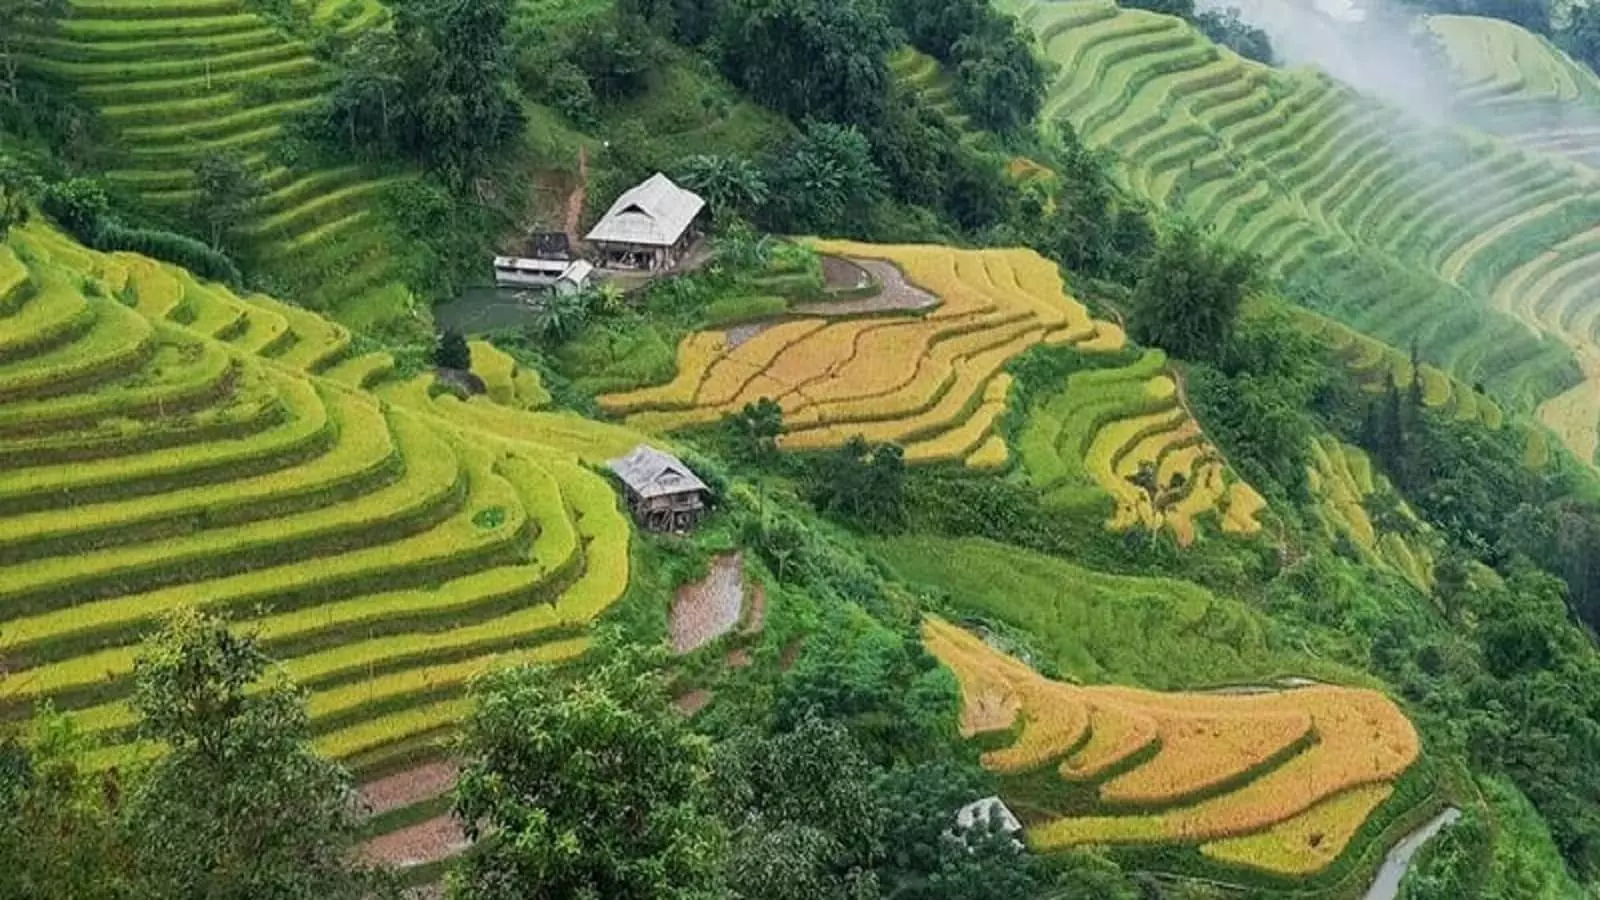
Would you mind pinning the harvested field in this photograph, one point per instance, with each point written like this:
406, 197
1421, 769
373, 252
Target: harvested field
1277, 779
930, 382
425, 842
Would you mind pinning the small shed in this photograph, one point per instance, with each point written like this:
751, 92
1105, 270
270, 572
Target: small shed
649, 227
574, 278
663, 494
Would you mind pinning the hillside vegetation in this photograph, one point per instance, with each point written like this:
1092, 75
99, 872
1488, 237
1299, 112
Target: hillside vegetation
170, 443
176, 82
1511, 81
1408, 232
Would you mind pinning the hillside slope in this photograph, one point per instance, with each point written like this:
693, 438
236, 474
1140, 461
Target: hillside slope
1409, 232
1513, 82
164, 442
176, 80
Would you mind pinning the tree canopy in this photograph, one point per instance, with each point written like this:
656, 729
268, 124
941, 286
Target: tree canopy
585, 789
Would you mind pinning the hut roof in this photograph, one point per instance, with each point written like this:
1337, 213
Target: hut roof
649, 472
655, 213
989, 809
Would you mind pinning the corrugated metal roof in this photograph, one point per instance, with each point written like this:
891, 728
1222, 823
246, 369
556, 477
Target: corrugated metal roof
653, 473
655, 213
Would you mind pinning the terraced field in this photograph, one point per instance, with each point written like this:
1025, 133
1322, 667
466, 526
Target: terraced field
1377, 365
1347, 491
193, 447
175, 80
1277, 782
922, 75
1105, 425
932, 382
1513, 82
1400, 229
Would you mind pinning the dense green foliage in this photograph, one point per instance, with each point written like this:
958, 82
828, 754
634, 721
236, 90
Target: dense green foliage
238, 806
1189, 296
595, 788
434, 90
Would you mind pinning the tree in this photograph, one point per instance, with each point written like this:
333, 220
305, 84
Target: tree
862, 483
806, 824
58, 833
932, 859
586, 789
458, 72
811, 59
24, 19
1000, 80
452, 351
1581, 37
1189, 297
227, 193
239, 806
758, 426
730, 185
436, 90
18, 191
368, 109
80, 205
1229, 29
825, 181
557, 317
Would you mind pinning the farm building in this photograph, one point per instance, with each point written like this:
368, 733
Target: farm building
565, 276
649, 227
663, 494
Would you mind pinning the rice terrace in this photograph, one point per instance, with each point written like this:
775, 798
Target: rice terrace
799, 449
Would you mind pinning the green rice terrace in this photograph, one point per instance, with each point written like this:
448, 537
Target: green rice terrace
1480, 253
170, 443
175, 81
1513, 82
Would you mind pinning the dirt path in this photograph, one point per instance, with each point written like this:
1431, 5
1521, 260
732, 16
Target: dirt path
575, 200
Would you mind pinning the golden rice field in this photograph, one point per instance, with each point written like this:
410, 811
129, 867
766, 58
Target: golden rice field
166, 442
1279, 781
932, 383
1103, 425
1344, 486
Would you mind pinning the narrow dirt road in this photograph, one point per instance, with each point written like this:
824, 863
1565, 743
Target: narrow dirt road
575, 200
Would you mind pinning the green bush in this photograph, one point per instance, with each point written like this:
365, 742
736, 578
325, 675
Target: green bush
169, 246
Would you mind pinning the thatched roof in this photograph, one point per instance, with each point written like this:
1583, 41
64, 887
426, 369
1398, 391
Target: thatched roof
649, 473
655, 213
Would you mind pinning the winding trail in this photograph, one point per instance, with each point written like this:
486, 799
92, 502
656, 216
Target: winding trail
1386, 886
